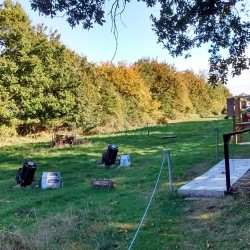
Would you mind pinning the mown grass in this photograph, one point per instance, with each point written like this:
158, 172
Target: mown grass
79, 217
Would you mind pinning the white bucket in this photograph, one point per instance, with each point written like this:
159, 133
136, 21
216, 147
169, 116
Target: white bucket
50, 180
124, 160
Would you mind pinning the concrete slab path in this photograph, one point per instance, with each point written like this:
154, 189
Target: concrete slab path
213, 182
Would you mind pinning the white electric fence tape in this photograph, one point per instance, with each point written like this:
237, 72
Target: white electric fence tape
164, 156
156, 184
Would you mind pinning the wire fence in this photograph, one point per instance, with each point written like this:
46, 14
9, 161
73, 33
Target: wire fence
176, 153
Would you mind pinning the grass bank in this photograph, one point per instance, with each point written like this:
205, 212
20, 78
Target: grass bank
79, 217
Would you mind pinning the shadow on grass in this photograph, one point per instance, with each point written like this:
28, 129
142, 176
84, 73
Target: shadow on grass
106, 218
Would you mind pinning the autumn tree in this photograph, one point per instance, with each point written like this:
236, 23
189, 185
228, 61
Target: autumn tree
181, 26
218, 96
166, 87
197, 88
44, 82
125, 94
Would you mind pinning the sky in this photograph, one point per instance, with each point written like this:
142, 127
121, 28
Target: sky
136, 40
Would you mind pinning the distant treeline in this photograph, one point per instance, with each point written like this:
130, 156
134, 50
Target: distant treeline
42, 82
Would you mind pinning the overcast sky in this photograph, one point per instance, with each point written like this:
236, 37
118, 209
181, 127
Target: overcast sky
135, 41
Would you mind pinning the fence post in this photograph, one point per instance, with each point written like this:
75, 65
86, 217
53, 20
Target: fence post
217, 144
226, 139
169, 172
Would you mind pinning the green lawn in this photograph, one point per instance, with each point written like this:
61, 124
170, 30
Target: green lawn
79, 217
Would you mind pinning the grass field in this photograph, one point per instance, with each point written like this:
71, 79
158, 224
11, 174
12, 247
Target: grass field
79, 217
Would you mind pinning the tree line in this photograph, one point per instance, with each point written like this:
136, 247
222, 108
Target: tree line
44, 83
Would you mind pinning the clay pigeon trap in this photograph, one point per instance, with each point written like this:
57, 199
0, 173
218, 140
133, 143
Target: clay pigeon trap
25, 174
109, 157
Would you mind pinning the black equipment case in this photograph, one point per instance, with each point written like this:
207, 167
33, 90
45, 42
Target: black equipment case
25, 175
109, 157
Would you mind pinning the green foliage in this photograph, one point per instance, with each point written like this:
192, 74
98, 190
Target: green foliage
217, 95
88, 97
13, 29
7, 131
125, 96
198, 91
181, 93
36, 74
183, 25
161, 80
44, 83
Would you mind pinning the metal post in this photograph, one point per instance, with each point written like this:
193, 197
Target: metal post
169, 172
226, 139
217, 144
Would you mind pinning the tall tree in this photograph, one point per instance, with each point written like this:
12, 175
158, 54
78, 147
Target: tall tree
36, 70
88, 97
181, 26
166, 87
14, 43
55, 76
125, 96
218, 96
198, 91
